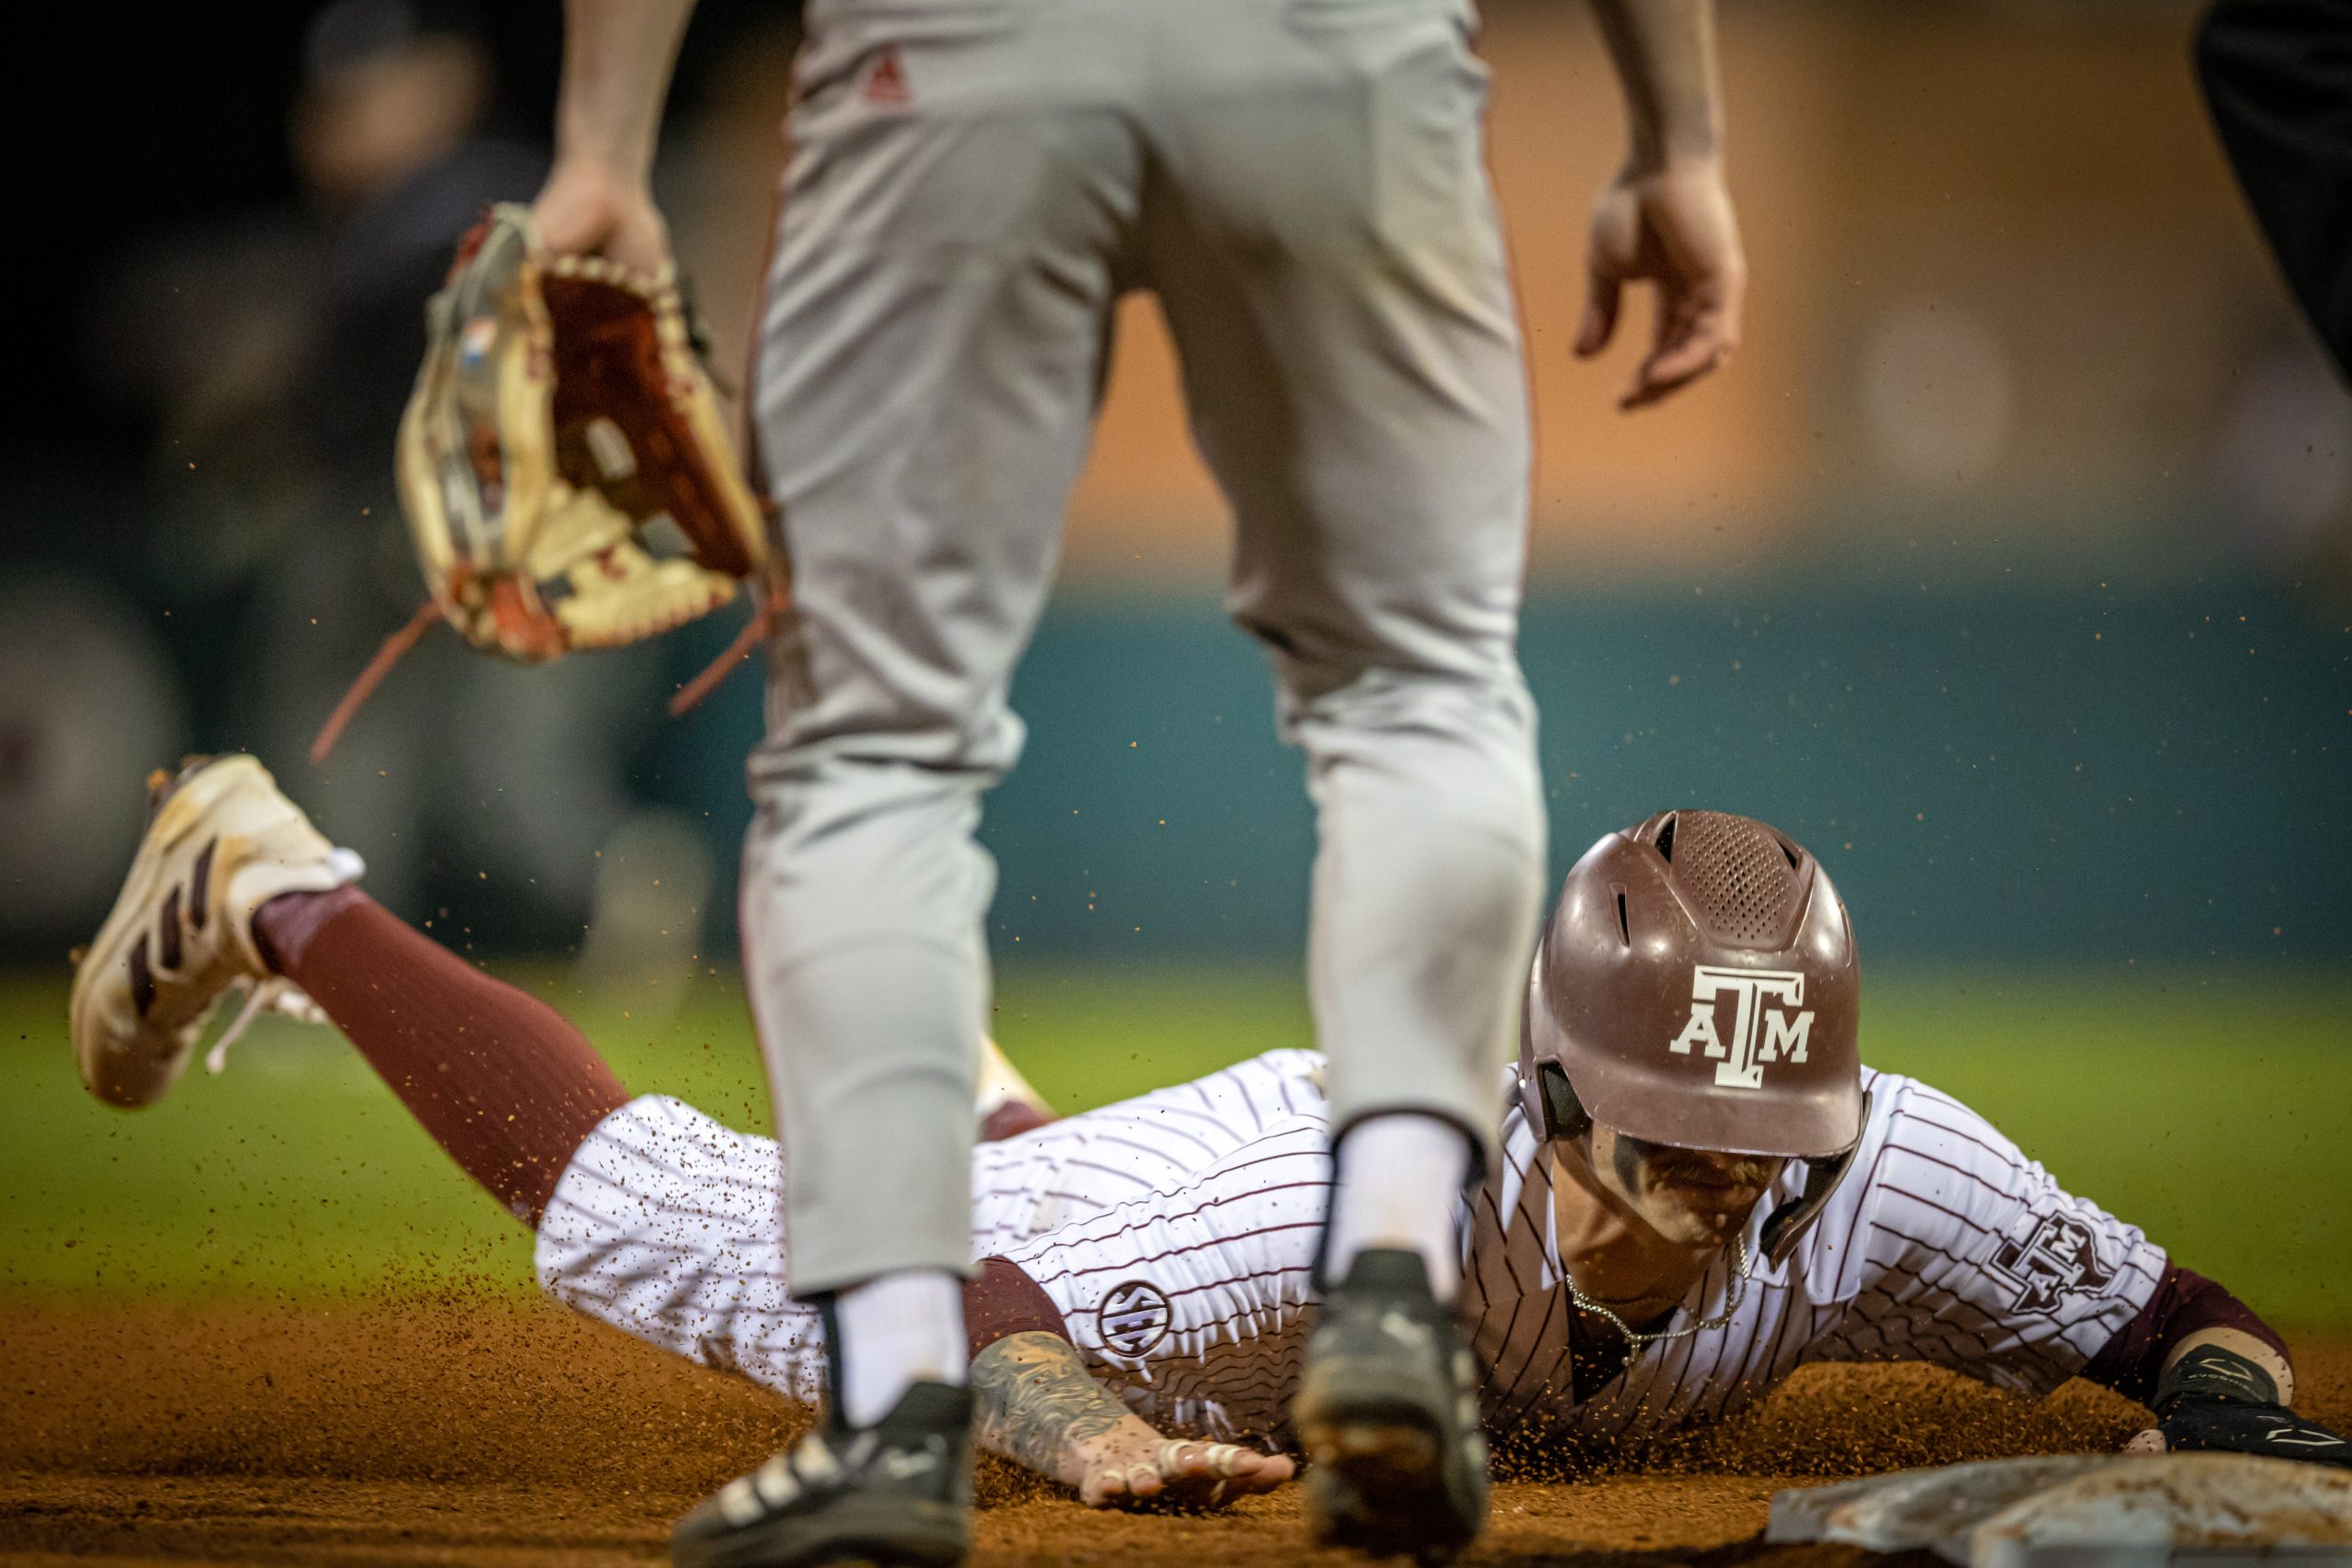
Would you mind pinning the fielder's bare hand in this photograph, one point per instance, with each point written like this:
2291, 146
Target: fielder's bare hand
598, 200
1667, 218
1672, 227
589, 206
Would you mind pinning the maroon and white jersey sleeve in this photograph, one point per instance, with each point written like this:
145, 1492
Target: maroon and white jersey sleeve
1175, 1231
1186, 1293
1965, 1253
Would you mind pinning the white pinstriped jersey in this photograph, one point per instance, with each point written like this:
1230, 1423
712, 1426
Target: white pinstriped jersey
1944, 1244
1176, 1233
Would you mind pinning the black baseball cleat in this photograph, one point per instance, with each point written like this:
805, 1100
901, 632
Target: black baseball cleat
895, 1494
1388, 1415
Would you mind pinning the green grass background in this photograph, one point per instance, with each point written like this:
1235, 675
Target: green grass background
2214, 1110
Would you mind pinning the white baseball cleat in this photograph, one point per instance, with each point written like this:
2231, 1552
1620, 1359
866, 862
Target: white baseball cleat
220, 842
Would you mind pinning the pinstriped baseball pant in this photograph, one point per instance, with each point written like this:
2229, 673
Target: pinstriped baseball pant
972, 184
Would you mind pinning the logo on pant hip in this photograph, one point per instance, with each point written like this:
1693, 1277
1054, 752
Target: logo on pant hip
1765, 1023
885, 79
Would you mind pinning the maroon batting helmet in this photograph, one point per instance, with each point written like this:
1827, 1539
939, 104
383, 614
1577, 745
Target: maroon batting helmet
1697, 985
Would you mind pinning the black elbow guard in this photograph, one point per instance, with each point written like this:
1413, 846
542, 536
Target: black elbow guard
2209, 1371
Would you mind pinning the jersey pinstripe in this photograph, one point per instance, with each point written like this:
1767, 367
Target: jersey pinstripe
1176, 1233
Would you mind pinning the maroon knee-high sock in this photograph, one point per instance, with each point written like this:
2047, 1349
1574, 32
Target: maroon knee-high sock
501, 1079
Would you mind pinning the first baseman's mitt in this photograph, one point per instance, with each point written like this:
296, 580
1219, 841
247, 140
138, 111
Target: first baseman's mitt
563, 464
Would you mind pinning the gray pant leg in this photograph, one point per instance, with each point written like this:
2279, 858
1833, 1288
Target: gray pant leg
1332, 266
931, 348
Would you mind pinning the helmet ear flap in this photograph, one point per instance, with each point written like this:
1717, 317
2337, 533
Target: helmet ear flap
1786, 1224
1563, 1113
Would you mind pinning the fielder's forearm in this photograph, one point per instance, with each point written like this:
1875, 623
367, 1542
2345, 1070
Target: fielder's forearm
1036, 1404
1665, 54
618, 57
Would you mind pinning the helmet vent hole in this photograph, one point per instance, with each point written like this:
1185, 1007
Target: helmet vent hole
1791, 850
1624, 926
1666, 836
1738, 873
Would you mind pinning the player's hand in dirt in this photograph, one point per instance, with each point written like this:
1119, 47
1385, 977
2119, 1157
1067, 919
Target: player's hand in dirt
1674, 227
2198, 1422
1131, 1466
1036, 1403
592, 207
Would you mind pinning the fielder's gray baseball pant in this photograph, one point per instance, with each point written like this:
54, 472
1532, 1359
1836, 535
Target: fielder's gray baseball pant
972, 184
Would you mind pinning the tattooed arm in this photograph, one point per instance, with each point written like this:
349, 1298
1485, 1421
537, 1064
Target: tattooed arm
1039, 1406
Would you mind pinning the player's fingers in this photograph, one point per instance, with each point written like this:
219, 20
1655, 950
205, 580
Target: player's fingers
1692, 349
1602, 297
1663, 375
1185, 1475
1254, 1473
1723, 298
1196, 1461
2148, 1442
571, 225
640, 242
588, 209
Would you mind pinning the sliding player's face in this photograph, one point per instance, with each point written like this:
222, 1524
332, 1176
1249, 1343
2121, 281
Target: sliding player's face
1697, 1196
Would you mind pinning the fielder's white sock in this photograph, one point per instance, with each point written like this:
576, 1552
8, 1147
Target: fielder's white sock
896, 1330
1400, 1185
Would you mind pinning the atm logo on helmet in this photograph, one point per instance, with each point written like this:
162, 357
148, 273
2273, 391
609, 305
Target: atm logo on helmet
1765, 1023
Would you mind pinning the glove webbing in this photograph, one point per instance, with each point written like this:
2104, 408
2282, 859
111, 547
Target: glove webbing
756, 630
396, 646
364, 686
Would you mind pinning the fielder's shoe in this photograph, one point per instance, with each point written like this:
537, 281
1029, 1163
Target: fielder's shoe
1388, 1415
898, 1493
220, 842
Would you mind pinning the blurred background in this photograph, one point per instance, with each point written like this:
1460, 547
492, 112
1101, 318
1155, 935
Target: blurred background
2009, 568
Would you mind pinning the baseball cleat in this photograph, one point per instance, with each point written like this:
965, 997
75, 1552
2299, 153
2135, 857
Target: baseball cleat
1388, 1414
895, 1494
220, 842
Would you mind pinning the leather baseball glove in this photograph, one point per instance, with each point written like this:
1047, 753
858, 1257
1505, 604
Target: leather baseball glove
562, 464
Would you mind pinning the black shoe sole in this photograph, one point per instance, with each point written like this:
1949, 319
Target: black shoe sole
875, 1532
1377, 1482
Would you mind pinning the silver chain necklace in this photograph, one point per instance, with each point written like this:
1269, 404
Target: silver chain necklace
1635, 1339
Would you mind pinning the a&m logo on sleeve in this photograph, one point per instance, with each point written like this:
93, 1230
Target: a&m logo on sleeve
2057, 1258
1766, 1025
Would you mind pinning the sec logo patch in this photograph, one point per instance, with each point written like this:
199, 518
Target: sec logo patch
1135, 1317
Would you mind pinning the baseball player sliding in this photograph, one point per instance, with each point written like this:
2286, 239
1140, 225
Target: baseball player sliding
973, 183
1700, 1186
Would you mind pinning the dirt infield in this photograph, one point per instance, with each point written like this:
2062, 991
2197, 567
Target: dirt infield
484, 1431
